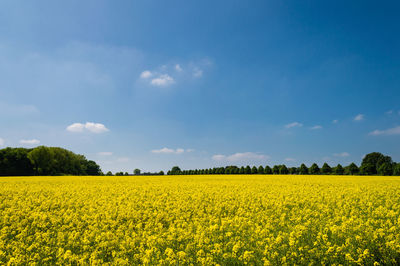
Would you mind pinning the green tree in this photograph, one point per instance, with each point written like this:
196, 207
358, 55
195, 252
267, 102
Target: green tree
260, 170
303, 170
15, 162
275, 169
385, 169
314, 169
372, 161
267, 170
161, 173
254, 170
396, 169
136, 171
338, 170
241, 171
283, 170
109, 173
175, 170
92, 168
247, 170
351, 169
293, 171
326, 169
368, 169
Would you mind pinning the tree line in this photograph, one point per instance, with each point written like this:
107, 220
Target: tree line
374, 163
44, 160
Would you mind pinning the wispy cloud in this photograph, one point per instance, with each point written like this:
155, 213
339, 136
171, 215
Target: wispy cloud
96, 128
294, 124
162, 80
237, 157
390, 131
105, 153
29, 141
146, 74
342, 154
166, 150
178, 68
389, 112
359, 117
2, 141
335, 121
197, 72
290, 159
316, 127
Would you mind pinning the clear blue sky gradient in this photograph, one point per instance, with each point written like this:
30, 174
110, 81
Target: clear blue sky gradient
247, 70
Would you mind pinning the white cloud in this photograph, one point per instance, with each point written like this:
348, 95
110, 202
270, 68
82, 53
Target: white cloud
162, 80
245, 156
359, 117
89, 126
123, 159
389, 112
96, 127
166, 150
197, 72
179, 151
29, 141
190, 150
342, 154
294, 124
178, 68
335, 121
2, 142
390, 131
76, 127
290, 159
105, 153
218, 157
316, 127
146, 74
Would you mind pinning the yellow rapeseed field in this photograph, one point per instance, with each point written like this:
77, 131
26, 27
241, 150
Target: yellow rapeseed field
202, 219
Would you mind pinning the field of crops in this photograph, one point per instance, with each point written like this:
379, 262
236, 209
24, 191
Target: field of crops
208, 220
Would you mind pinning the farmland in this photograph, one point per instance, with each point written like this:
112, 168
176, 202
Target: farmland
203, 219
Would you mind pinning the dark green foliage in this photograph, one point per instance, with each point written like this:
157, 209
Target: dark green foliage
303, 170
267, 170
247, 170
161, 173
109, 173
338, 170
59, 161
326, 169
372, 161
92, 168
45, 161
351, 169
175, 171
241, 171
15, 162
385, 169
396, 169
254, 170
283, 170
136, 171
260, 170
314, 169
275, 169
293, 170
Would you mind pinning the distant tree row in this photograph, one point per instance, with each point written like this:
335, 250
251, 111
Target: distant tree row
135, 172
45, 161
373, 164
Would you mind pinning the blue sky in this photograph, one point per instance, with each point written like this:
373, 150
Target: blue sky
153, 84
